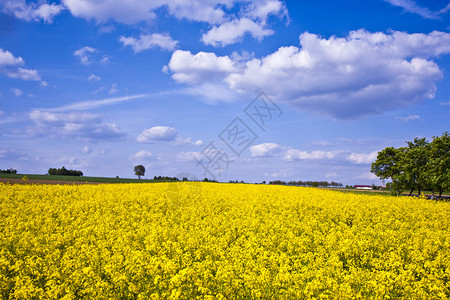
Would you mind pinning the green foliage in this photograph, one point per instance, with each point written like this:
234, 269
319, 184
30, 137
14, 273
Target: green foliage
64, 172
139, 171
9, 171
420, 165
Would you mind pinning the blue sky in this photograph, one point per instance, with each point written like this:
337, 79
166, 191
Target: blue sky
101, 86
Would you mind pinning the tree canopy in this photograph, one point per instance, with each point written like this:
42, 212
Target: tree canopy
418, 166
139, 171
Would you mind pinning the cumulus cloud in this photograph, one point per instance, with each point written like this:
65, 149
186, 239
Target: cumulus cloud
31, 11
346, 78
362, 158
142, 155
11, 66
159, 134
234, 31
73, 124
265, 150
147, 41
134, 11
231, 19
200, 67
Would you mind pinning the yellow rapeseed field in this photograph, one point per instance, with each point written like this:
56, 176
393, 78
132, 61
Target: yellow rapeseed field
219, 241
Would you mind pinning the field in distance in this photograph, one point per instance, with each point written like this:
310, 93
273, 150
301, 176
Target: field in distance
35, 178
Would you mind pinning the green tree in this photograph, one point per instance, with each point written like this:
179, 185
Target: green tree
439, 163
414, 164
388, 166
139, 171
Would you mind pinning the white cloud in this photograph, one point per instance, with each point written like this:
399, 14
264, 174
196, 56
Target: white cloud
134, 11
94, 77
73, 124
346, 78
142, 155
84, 54
165, 134
294, 154
234, 31
262, 9
147, 41
200, 67
408, 118
9, 64
8, 59
24, 74
412, 7
31, 11
157, 134
362, 158
249, 15
265, 150
17, 92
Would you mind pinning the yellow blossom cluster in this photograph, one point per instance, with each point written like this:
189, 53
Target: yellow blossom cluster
219, 241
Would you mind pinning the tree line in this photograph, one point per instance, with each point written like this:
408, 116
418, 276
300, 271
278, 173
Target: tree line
420, 165
307, 183
9, 171
64, 171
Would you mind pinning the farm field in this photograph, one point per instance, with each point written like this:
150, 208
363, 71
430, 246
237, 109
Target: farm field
188, 240
38, 178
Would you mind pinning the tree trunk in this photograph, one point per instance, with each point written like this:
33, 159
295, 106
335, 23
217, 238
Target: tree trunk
412, 190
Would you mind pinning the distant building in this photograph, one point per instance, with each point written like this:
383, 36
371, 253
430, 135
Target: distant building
362, 187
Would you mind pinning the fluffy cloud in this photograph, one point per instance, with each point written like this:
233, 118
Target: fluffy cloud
234, 31
265, 150
362, 158
142, 155
73, 124
210, 11
147, 41
200, 67
10, 65
234, 17
31, 11
346, 78
157, 134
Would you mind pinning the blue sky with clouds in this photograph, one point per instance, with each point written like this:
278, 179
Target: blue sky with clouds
101, 86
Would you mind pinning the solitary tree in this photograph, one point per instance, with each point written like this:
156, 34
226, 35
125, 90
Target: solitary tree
139, 171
